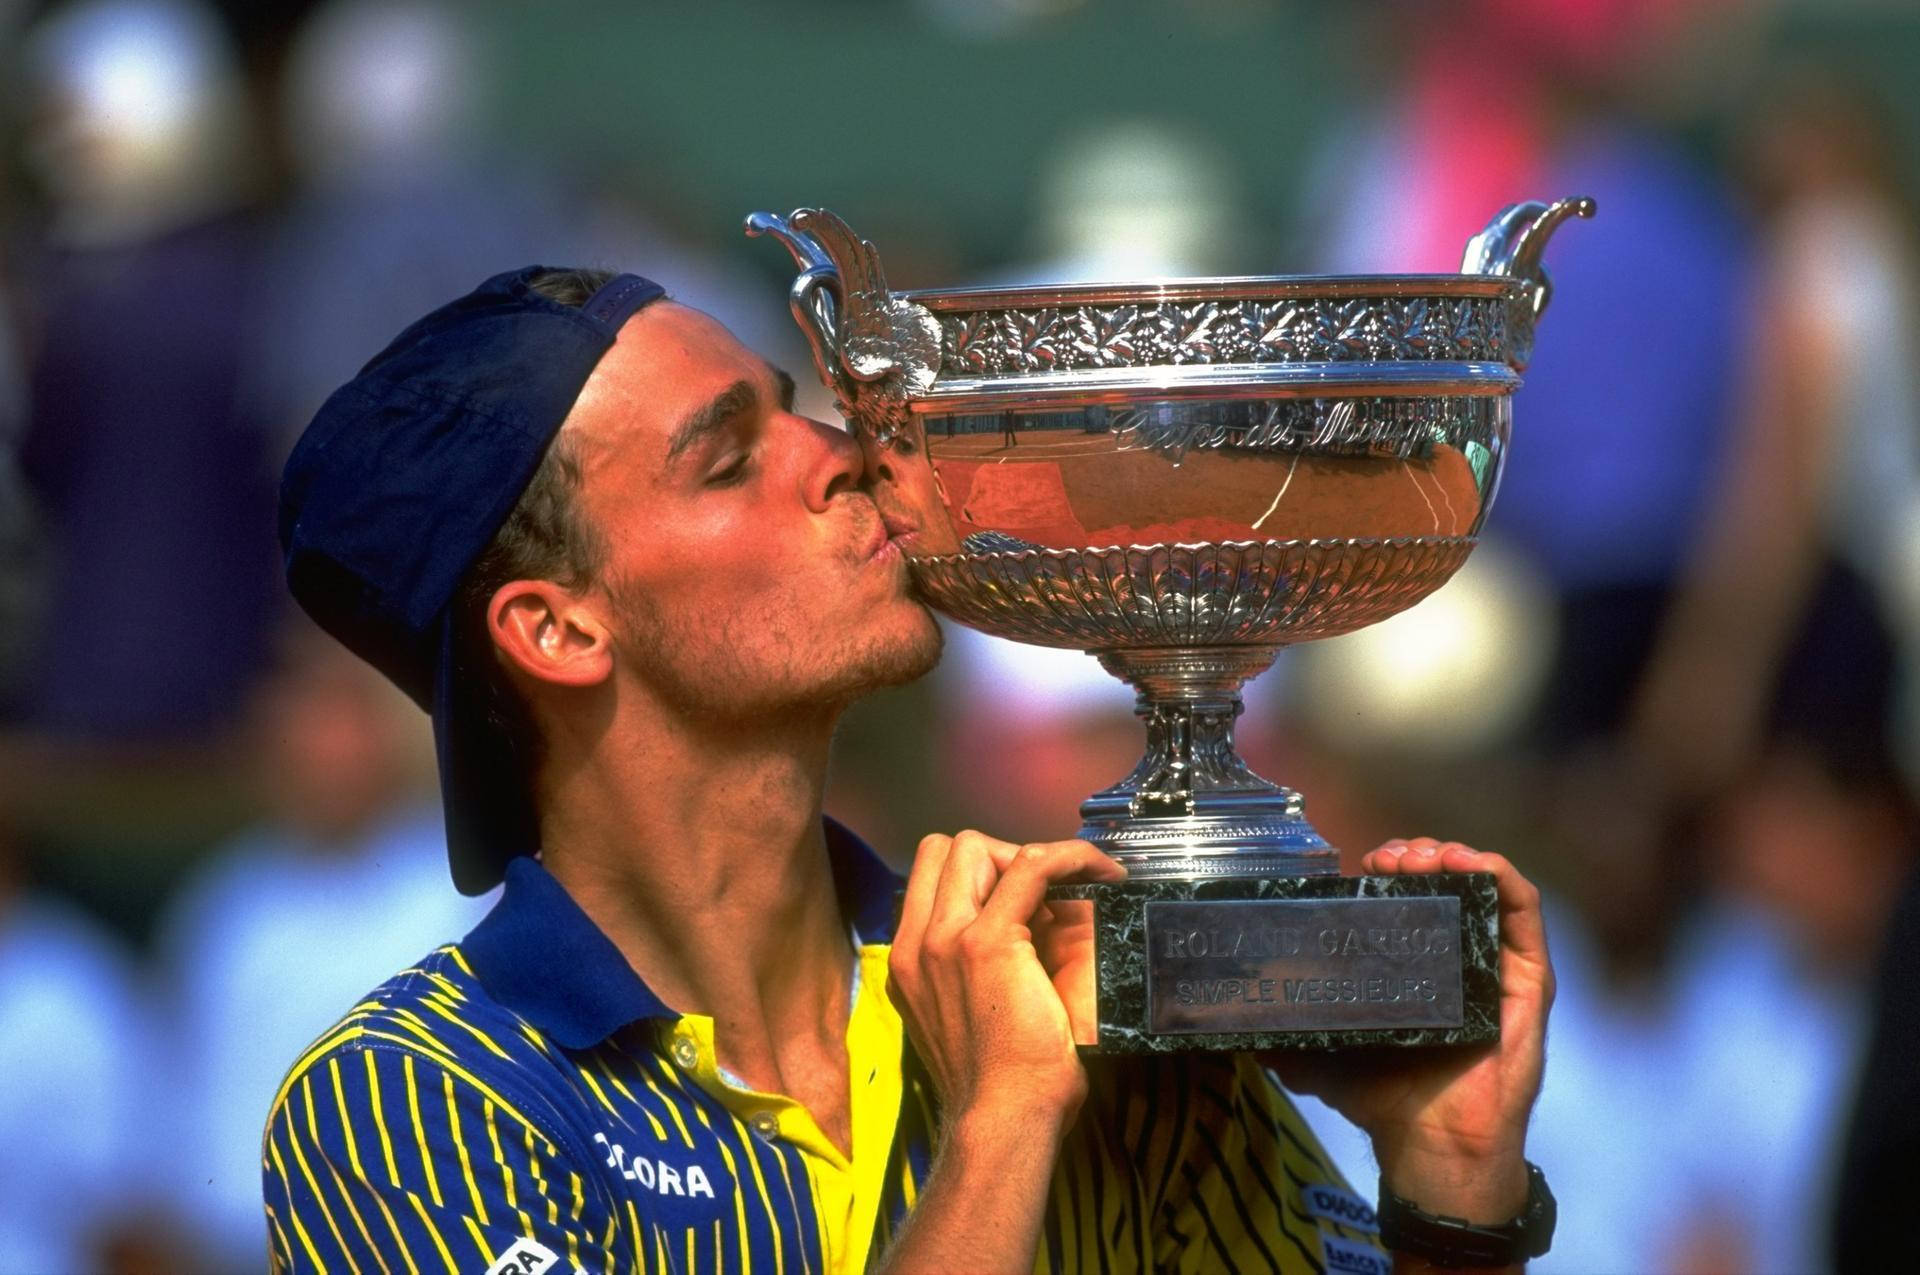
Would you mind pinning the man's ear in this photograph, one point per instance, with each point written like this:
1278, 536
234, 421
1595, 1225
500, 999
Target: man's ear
550, 633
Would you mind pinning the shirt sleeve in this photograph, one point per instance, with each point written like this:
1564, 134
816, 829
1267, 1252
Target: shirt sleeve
382, 1158
1253, 1190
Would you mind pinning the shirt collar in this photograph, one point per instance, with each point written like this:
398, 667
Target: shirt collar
543, 958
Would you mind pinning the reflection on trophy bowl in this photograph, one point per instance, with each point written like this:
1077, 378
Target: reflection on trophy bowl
1248, 462
1181, 477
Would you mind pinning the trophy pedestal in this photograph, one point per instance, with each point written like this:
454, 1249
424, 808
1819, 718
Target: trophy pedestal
1234, 929
1307, 962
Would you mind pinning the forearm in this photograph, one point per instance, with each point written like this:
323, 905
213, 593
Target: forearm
982, 1204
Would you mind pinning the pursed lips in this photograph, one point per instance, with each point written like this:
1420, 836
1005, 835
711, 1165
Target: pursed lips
891, 535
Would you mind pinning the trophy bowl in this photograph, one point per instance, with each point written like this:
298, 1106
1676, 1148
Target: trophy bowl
1181, 477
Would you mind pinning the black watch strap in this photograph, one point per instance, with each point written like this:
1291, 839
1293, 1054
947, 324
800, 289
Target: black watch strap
1455, 1242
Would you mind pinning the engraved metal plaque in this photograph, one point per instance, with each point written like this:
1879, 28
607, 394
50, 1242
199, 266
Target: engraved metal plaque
1263, 965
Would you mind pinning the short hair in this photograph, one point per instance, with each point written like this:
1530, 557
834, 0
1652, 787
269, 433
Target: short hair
545, 537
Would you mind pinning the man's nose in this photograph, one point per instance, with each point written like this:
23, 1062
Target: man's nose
837, 466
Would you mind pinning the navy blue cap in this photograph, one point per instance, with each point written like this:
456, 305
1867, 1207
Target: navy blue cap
399, 484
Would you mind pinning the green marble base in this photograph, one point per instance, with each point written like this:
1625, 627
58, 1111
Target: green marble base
1286, 965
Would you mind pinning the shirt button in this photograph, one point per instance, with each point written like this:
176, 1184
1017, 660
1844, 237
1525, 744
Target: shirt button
685, 1052
766, 1124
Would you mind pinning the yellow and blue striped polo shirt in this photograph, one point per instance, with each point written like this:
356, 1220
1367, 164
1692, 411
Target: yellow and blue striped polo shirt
522, 1102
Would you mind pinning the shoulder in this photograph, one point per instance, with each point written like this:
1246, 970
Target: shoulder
436, 1008
432, 1025
431, 1109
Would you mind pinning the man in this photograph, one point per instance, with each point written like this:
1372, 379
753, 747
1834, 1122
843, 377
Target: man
581, 525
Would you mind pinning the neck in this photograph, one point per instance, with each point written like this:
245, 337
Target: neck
697, 848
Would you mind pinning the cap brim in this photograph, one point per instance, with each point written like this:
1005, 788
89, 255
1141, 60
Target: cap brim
490, 821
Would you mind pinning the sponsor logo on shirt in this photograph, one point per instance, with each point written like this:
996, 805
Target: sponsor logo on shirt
1346, 1257
525, 1257
663, 1177
1332, 1203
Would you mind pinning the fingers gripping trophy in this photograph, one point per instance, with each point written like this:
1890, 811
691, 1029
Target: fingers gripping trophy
1181, 478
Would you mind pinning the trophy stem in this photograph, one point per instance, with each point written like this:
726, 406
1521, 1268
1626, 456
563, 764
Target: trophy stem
1192, 807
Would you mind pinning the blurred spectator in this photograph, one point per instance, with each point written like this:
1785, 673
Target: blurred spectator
292, 919
1802, 854
1772, 984
138, 123
1603, 1122
1135, 199
1456, 674
153, 485
1619, 434
399, 203
76, 1057
1823, 476
1628, 399
396, 206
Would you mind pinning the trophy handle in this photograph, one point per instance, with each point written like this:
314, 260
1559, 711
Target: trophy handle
814, 297
873, 349
1513, 244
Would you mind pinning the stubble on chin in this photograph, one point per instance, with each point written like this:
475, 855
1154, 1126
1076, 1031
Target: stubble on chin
748, 665
896, 661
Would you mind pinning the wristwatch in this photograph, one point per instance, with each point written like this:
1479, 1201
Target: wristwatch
1456, 1242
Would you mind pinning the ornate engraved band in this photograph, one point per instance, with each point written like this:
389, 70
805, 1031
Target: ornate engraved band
1241, 592
1069, 338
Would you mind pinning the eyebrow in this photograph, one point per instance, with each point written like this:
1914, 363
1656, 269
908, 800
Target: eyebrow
712, 416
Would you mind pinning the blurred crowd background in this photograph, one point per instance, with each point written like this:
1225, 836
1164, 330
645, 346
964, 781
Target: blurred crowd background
1676, 683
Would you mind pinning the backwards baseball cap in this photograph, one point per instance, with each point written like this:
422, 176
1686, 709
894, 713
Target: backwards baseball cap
400, 483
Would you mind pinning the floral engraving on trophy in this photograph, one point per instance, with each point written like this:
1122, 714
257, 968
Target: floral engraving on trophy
1045, 339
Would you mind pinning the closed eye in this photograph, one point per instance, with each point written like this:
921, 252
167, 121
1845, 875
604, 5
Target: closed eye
729, 473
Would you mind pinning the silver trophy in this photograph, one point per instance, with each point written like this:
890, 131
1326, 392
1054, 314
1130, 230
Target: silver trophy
1182, 477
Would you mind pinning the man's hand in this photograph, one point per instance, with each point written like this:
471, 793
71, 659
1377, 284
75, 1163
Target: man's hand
994, 984
985, 1012
1448, 1127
